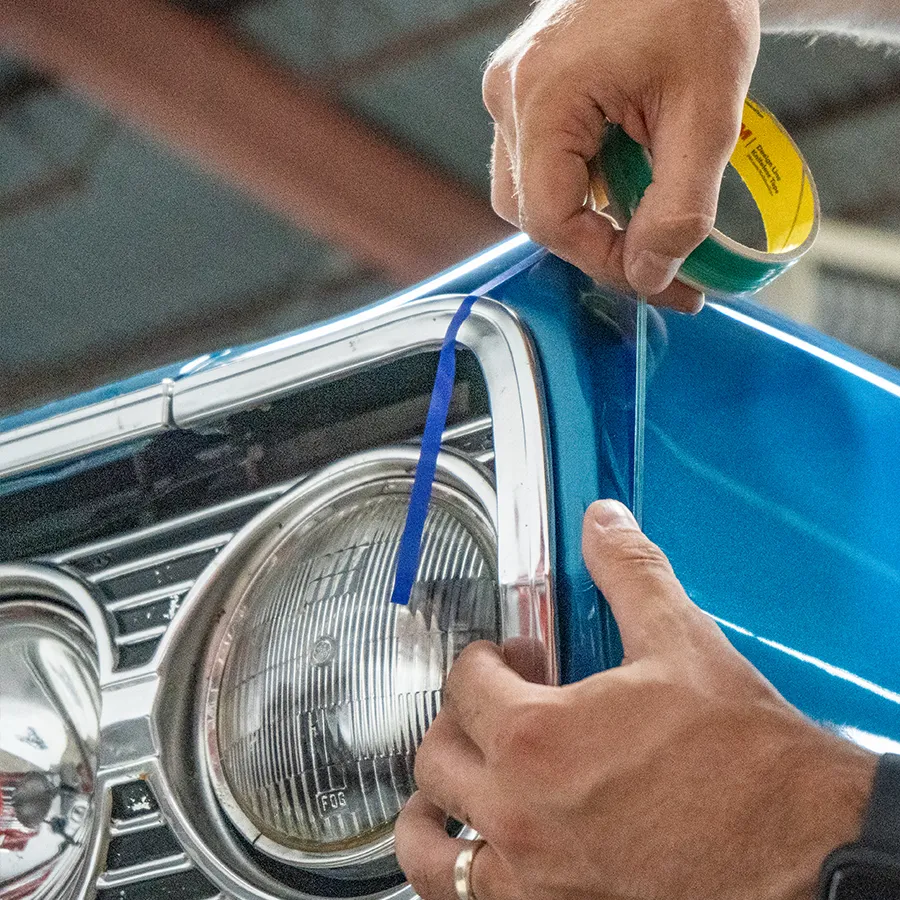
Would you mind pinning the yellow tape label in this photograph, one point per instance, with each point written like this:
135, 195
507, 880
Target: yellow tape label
777, 178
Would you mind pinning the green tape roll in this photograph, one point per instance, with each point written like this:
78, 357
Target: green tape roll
777, 178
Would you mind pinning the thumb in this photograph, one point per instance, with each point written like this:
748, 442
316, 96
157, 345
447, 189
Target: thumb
650, 606
690, 148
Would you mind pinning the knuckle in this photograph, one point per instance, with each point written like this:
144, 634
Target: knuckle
409, 860
539, 224
401, 843
633, 549
526, 737
495, 89
427, 884
690, 228
455, 683
725, 131
514, 832
423, 768
528, 70
417, 874
463, 669
505, 206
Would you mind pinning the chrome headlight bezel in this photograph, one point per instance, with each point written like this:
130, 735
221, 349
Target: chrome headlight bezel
458, 483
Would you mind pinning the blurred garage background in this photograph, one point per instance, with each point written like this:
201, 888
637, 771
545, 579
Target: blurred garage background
161, 196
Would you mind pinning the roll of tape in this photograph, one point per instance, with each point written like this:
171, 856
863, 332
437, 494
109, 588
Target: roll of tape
777, 178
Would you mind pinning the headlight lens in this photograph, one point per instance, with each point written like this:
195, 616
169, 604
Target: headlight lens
49, 726
322, 689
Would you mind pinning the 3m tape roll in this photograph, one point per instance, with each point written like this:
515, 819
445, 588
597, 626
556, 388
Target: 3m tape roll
777, 178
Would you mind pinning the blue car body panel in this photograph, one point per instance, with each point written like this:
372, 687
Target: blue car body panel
772, 478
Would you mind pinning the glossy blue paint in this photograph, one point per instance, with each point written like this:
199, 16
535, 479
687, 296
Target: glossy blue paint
773, 484
587, 364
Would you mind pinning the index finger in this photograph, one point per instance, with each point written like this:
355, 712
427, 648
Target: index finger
480, 691
552, 184
552, 178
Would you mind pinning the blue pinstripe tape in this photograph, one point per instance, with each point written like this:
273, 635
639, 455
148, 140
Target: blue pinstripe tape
435, 423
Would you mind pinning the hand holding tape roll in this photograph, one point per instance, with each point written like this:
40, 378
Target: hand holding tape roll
673, 74
777, 178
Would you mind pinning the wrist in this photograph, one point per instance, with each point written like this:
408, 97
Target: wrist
835, 781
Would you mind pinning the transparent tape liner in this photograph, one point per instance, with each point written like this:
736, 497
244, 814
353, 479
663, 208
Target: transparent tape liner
781, 186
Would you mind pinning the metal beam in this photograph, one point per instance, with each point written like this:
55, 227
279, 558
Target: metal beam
880, 210
20, 86
858, 249
279, 138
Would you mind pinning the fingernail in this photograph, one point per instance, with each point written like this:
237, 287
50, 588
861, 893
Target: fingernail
698, 305
691, 307
650, 272
611, 513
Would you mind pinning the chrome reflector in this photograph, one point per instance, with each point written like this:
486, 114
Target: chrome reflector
322, 689
49, 725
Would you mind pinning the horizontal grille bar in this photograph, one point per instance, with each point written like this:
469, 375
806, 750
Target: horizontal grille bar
157, 559
138, 637
265, 495
153, 868
148, 597
118, 827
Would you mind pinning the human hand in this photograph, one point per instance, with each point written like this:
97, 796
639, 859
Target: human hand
681, 775
673, 74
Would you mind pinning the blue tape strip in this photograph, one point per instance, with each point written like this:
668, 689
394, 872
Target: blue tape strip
435, 423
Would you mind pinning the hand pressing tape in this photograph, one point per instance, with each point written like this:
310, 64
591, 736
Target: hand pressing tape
777, 178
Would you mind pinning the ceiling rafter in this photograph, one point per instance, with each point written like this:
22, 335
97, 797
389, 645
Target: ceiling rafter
280, 138
24, 83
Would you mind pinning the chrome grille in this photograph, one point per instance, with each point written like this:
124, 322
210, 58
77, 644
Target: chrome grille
144, 860
143, 577
235, 432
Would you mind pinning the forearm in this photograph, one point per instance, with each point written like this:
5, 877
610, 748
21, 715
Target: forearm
873, 19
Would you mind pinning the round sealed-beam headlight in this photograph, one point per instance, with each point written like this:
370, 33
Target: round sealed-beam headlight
319, 688
49, 728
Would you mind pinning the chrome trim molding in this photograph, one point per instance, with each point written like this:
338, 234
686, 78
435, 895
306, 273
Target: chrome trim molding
137, 600
466, 429
87, 430
146, 822
132, 537
334, 350
149, 410
138, 637
136, 565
